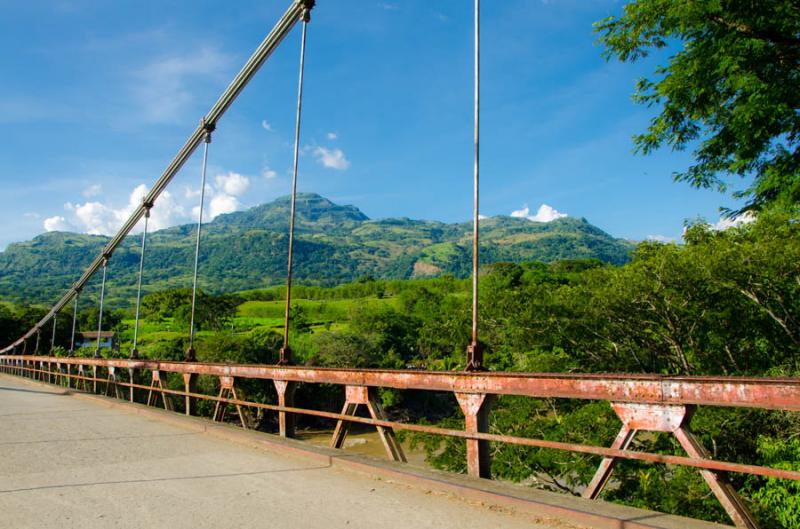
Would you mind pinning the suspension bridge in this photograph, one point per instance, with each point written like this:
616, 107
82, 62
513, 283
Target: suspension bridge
121, 401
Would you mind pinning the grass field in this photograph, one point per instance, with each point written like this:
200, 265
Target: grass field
321, 315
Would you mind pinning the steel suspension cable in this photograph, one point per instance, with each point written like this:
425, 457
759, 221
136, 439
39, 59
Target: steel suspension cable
475, 350
100, 315
53, 337
38, 336
190, 353
226, 99
135, 351
285, 352
74, 321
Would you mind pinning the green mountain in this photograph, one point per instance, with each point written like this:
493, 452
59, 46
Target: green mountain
333, 244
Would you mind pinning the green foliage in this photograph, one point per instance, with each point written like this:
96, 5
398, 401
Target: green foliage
346, 349
211, 312
732, 88
779, 499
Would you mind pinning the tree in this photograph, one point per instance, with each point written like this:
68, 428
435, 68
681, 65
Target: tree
211, 312
733, 89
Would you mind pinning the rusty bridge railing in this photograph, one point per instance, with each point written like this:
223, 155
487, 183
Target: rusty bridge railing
642, 403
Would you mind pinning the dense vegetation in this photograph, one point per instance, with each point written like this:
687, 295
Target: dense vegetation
731, 91
667, 311
334, 244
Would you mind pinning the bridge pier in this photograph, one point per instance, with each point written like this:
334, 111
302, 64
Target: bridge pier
475, 407
673, 419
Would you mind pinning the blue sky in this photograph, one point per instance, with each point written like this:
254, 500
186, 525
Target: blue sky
97, 97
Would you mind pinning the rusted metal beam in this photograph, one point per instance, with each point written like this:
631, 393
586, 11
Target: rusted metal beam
744, 392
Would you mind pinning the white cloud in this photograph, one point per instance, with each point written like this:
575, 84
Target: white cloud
544, 214
221, 204
192, 193
105, 218
331, 158
724, 223
331, 136
233, 183
98, 218
221, 197
32, 215
164, 87
92, 191
266, 125
268, 173
94, 218
660, 238
56, 223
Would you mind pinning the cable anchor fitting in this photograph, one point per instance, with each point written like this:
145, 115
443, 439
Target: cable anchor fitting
475, 357
147, 207
208, 127
308, 5
285, 356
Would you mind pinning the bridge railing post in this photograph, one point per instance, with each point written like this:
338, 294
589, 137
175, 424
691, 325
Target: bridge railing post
475, 407
189, 386
286, 421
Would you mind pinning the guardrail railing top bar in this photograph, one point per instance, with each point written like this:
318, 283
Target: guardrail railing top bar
747, 392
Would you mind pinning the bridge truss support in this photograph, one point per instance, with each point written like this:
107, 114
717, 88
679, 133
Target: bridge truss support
673, 419
113, 381
355, 396
227, 391
83, 379
156, 390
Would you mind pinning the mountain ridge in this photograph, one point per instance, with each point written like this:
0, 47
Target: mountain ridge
334, 243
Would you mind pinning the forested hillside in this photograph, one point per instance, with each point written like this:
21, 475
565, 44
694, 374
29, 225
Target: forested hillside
334, 244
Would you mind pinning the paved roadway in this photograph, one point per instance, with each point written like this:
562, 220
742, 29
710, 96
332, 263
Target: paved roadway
68, 462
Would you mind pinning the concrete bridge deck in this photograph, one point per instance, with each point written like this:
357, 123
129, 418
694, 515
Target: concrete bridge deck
86, 462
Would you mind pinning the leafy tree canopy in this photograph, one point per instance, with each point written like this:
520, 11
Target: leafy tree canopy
733, 89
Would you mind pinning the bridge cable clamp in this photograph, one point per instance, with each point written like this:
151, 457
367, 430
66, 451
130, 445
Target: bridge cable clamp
208, 127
